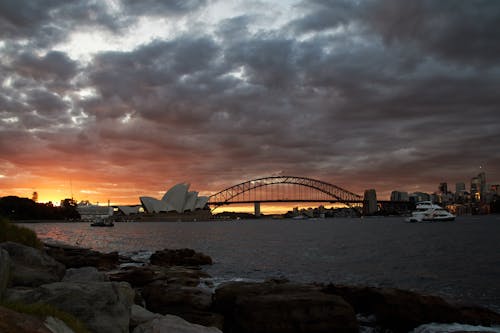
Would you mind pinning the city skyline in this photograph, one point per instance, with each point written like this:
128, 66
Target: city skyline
115, 100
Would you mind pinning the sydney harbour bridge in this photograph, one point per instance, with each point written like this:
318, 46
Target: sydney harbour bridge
282, 189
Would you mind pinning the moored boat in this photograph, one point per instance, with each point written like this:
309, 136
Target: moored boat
426, 211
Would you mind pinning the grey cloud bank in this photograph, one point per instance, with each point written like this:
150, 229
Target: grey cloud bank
383, 94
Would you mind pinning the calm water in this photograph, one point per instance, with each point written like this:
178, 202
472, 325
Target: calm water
458, 260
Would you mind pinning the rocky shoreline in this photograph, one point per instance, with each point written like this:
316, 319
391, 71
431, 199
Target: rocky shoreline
171, 293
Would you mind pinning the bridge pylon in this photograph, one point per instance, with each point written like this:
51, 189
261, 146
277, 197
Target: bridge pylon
256, 208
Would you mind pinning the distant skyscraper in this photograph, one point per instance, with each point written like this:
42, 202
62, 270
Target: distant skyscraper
482, 183
475, 188
460, 187
419, 196
460, 192
443, 188
399, 196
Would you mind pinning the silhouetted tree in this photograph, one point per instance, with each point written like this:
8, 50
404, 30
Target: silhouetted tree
68, 207
16, 208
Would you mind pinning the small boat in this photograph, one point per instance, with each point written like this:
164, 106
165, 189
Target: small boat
438, 215
426, 211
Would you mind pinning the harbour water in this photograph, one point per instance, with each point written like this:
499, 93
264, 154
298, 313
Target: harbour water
458, 260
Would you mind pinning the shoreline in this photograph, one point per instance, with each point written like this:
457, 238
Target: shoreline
429, 275
174, 283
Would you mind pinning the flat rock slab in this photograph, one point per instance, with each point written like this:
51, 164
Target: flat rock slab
101, 306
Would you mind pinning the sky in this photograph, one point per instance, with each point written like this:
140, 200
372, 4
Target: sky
112, 100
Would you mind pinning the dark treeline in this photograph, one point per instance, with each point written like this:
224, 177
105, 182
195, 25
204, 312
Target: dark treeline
15, 208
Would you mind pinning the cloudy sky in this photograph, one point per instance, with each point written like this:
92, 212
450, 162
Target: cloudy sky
120, 98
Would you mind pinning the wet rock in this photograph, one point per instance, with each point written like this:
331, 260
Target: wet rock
136, 276
175, 324
401, 310
101, 306
76, 257
84, 274
4, 271
15, 322
30, 266
190, 303
179, 257
139, 276
272, 307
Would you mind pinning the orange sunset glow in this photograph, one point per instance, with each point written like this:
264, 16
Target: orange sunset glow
120, 100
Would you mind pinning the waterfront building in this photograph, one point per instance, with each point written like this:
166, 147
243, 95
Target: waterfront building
89, 212
399, 196
176, 199
419, 196
128, 210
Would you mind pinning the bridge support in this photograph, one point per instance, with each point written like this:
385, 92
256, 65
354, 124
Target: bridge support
370, 206
256, 209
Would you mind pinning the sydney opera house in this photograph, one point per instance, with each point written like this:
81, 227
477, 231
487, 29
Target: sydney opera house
177, 203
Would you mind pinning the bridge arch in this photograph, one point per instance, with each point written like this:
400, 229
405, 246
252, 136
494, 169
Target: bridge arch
333, 193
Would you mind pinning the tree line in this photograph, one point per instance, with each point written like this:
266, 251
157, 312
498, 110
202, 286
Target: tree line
16, 208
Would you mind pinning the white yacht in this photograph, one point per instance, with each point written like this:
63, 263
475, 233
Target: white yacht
429, 212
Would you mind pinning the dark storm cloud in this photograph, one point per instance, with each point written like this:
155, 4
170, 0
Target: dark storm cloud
463, 31
360, 93
23, 18
47, 22
162, 7
46, 102
54, 65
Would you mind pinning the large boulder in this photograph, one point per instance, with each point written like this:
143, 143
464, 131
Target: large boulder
401, 310
189, 302
4, 271
101, 306
175, 324
179, 257
275, 307
76, 257
32, 267
15, 322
